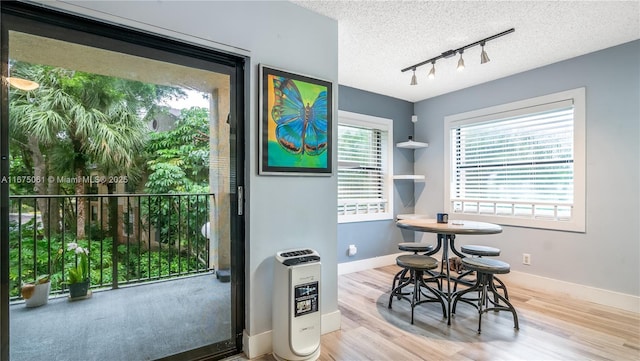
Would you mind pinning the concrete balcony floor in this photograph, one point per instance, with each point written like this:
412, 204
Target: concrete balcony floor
142, 322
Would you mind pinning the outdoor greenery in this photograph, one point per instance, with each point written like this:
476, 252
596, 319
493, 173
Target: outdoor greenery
179, 163
85, 127
43, 256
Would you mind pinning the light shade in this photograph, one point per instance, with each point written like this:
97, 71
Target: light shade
414, 80
460, 63
432, 72
484, 58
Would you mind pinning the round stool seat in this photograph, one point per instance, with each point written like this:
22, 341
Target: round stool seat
415, 247
476, 250
486, 265
417, 262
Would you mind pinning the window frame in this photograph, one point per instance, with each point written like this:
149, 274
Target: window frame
577, 223
383, 124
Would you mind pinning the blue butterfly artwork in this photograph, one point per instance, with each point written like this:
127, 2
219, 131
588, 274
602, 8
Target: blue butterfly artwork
300, 128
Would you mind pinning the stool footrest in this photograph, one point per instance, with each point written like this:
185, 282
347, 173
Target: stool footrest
489, 299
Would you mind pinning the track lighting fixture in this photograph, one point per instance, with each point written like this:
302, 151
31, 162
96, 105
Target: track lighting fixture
484, 58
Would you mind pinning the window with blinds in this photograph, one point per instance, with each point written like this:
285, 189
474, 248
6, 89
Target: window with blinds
519, 164
363, 168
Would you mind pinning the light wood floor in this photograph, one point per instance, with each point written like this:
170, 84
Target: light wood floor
551, 328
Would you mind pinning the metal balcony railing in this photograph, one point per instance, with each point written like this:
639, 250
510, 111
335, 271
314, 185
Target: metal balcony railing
131, 238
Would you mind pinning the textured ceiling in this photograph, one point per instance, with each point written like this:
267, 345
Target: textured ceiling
379, 38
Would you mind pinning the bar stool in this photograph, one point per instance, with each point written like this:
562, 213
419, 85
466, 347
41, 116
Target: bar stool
415, 247
480, 251
485, 268
417, 265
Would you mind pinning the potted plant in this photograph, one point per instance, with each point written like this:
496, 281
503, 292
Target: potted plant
36, 293
78, 280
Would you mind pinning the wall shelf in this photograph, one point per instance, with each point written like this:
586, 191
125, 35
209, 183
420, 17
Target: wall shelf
412, 145
413, 177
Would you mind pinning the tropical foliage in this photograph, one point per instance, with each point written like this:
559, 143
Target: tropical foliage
77, 124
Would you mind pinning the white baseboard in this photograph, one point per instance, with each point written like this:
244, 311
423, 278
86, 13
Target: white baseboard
256, 345
365, 264
573, 290
261, 344
330, 322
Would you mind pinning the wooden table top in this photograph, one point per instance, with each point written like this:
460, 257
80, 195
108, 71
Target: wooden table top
452, 227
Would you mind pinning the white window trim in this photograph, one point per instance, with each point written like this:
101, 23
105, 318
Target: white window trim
383, 124
578, 219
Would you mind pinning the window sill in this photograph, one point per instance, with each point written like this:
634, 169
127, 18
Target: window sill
353, 218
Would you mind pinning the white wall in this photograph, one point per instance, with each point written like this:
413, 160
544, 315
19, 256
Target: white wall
607, 256
282, 212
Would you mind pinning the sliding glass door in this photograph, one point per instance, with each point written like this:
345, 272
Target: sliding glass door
121, 235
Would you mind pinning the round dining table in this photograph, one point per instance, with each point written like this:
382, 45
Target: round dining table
446, 237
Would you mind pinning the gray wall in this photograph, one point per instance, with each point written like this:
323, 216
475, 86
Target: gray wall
283, 212
379, 238
608, 254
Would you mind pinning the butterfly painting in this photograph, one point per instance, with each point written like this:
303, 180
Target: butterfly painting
300, 128
296, 124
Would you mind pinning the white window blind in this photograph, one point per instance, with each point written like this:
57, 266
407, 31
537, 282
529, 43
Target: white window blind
362, 172
518, 164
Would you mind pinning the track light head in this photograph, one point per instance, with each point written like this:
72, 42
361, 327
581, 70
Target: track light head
484, 58
414, 80
460, 62
432, 72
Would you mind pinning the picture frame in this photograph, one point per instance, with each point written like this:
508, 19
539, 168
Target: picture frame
295, 124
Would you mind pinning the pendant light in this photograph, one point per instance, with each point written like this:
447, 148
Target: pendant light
22, 84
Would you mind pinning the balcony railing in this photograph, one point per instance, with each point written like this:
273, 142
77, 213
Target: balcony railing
131, 238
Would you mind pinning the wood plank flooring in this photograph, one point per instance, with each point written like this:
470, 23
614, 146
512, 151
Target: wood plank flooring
551, 327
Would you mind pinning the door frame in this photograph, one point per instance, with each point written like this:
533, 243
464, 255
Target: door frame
237, 67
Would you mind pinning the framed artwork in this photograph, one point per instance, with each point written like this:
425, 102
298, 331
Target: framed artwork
295, 124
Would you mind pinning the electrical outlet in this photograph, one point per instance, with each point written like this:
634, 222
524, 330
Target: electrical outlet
526, 258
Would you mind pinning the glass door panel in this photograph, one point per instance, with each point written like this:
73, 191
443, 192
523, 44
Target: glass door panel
121, 176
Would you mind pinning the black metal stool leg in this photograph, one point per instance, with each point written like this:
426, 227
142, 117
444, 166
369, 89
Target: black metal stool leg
399, 277
397, 292
508, 306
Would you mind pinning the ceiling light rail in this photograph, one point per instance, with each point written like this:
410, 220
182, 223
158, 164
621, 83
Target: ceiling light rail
484, 58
